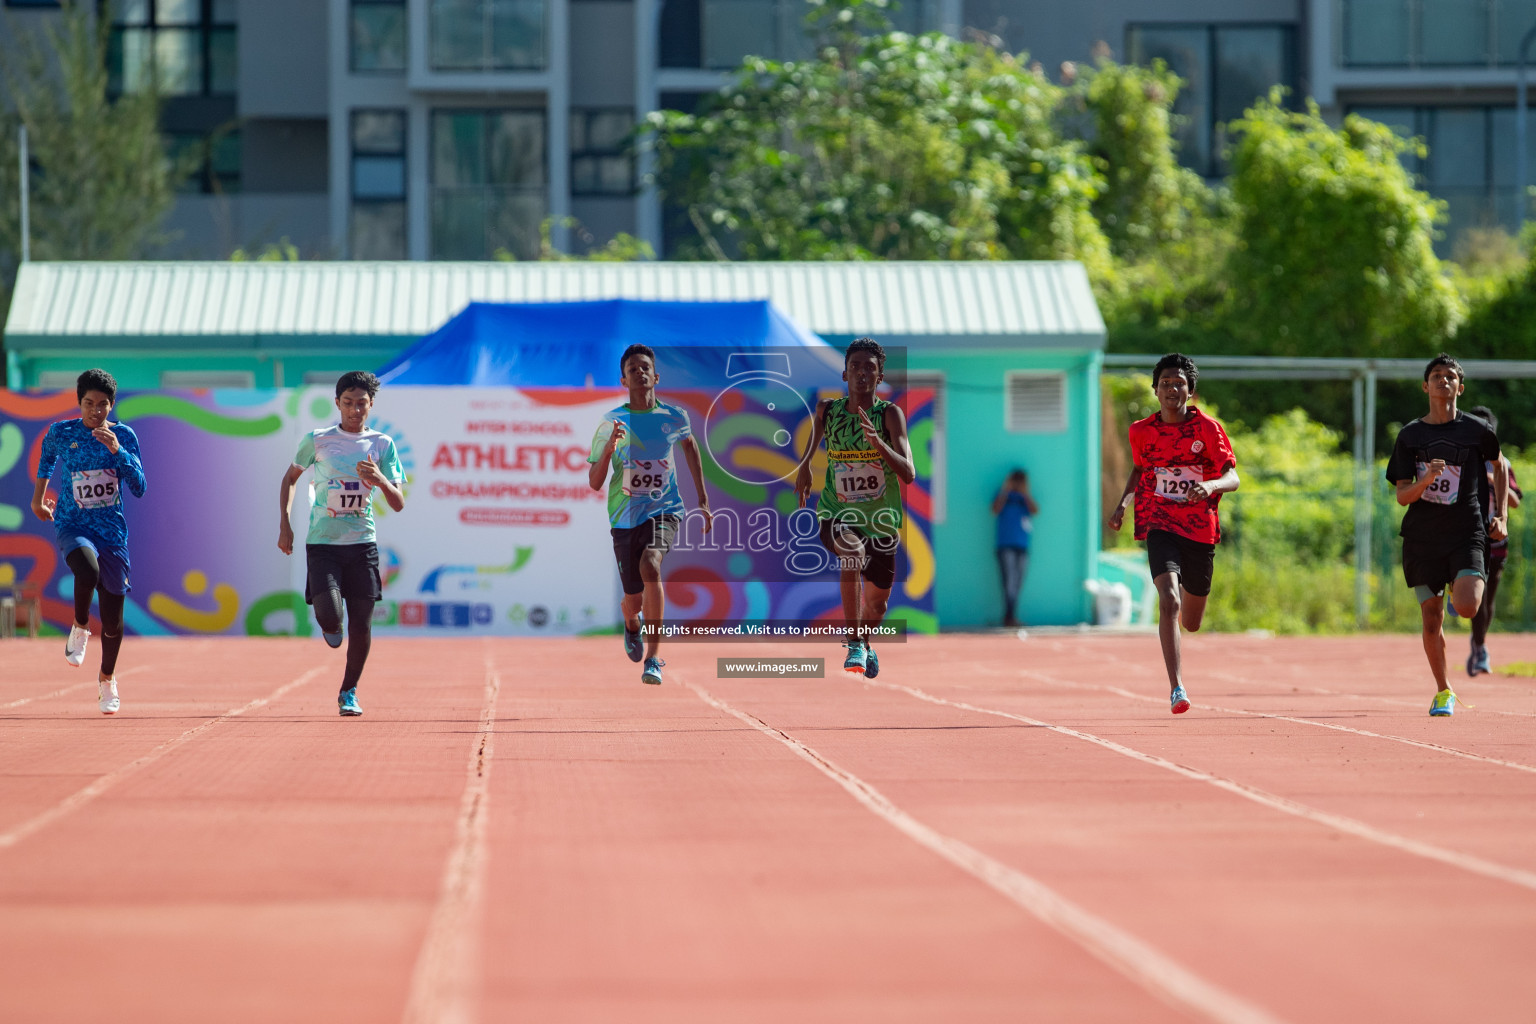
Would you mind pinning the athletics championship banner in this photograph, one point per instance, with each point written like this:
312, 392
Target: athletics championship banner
501, 533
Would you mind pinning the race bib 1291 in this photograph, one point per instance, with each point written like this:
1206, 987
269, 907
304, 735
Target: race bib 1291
1174, 482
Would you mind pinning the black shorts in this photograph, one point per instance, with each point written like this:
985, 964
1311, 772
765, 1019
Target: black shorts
630, 543
353, 569
879, 561
1191, 560
1436, 565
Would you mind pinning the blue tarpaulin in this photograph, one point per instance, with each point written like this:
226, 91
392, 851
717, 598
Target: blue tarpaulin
578, 344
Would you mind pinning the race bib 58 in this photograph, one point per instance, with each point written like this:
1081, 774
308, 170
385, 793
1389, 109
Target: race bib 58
1446, 487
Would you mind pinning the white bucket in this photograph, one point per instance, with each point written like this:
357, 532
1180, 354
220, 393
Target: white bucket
1111, 603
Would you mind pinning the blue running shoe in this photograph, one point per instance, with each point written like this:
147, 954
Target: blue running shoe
1444, 705
1484, 666
1178, 701
871, 663
632, 645
346, 704
855, 662
652, 673
333, 640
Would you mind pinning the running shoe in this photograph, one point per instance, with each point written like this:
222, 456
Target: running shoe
106, 696
74, 647
652, 673
1484, 666
856, 662
632, 645
346, 704
1178, 701
1444, 705
333, 640
871, 663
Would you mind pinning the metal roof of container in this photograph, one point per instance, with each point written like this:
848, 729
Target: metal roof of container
983, 303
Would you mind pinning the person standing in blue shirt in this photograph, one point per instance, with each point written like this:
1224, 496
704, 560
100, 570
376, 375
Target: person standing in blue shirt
342, 550
1015, 510
99, 459
644, 504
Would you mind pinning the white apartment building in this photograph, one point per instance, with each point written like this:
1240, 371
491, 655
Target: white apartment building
450, 129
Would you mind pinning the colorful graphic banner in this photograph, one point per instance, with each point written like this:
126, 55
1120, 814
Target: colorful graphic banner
501, 533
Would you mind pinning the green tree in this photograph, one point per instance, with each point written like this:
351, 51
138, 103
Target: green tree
1336, 251
882, 147
101, 183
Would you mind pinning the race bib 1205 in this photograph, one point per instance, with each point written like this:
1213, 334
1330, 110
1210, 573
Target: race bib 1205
94, 488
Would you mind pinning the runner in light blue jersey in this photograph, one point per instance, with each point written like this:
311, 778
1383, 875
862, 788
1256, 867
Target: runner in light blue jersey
636, 440
349, 461
99, 459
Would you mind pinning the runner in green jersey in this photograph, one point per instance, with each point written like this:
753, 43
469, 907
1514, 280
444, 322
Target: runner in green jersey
868, 458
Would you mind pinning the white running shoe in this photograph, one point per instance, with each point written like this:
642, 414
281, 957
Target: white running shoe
106, 696
74, 647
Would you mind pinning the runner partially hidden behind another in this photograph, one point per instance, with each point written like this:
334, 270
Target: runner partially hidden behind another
342, 550
868, 458
644, 503
1181, 465
1498, 550
1437, 465
100, 458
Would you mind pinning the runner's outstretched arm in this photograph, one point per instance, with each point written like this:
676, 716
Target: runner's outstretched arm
1410, 491
597, 472
1117, 517
696, 470
285, 503
898, 453
818, 429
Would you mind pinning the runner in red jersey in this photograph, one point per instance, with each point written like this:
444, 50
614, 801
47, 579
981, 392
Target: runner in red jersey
1181, 465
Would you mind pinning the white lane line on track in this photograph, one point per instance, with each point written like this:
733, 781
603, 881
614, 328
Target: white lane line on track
1436, 747
95, 789
445, 981
1144, 965
1338, 822
124, 674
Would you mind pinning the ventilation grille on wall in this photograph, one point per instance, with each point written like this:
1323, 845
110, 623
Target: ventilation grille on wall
1037, 402
186, 379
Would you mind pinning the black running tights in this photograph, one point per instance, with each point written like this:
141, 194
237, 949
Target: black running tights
82, 562
359, 629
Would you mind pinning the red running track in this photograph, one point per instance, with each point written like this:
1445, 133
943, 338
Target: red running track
992, 830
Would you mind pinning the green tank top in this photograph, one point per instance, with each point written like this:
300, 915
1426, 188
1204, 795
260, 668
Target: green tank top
860, 488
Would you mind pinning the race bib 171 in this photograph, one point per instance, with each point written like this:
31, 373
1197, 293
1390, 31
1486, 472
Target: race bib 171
347, 498
94, 488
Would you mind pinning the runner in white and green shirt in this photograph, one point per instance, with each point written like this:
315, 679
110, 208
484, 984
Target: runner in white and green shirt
342, 551
636, 440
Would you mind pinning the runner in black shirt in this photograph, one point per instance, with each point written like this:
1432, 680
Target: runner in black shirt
1437, 463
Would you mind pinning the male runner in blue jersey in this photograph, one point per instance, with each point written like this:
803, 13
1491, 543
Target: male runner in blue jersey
99, 458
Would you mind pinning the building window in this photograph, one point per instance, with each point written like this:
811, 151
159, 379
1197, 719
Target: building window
719, 34
1433, 33
215, 159
486, 35
1471, 161
184, 47
488, 183
378, 35
378, 229
602, 160
1224, 68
